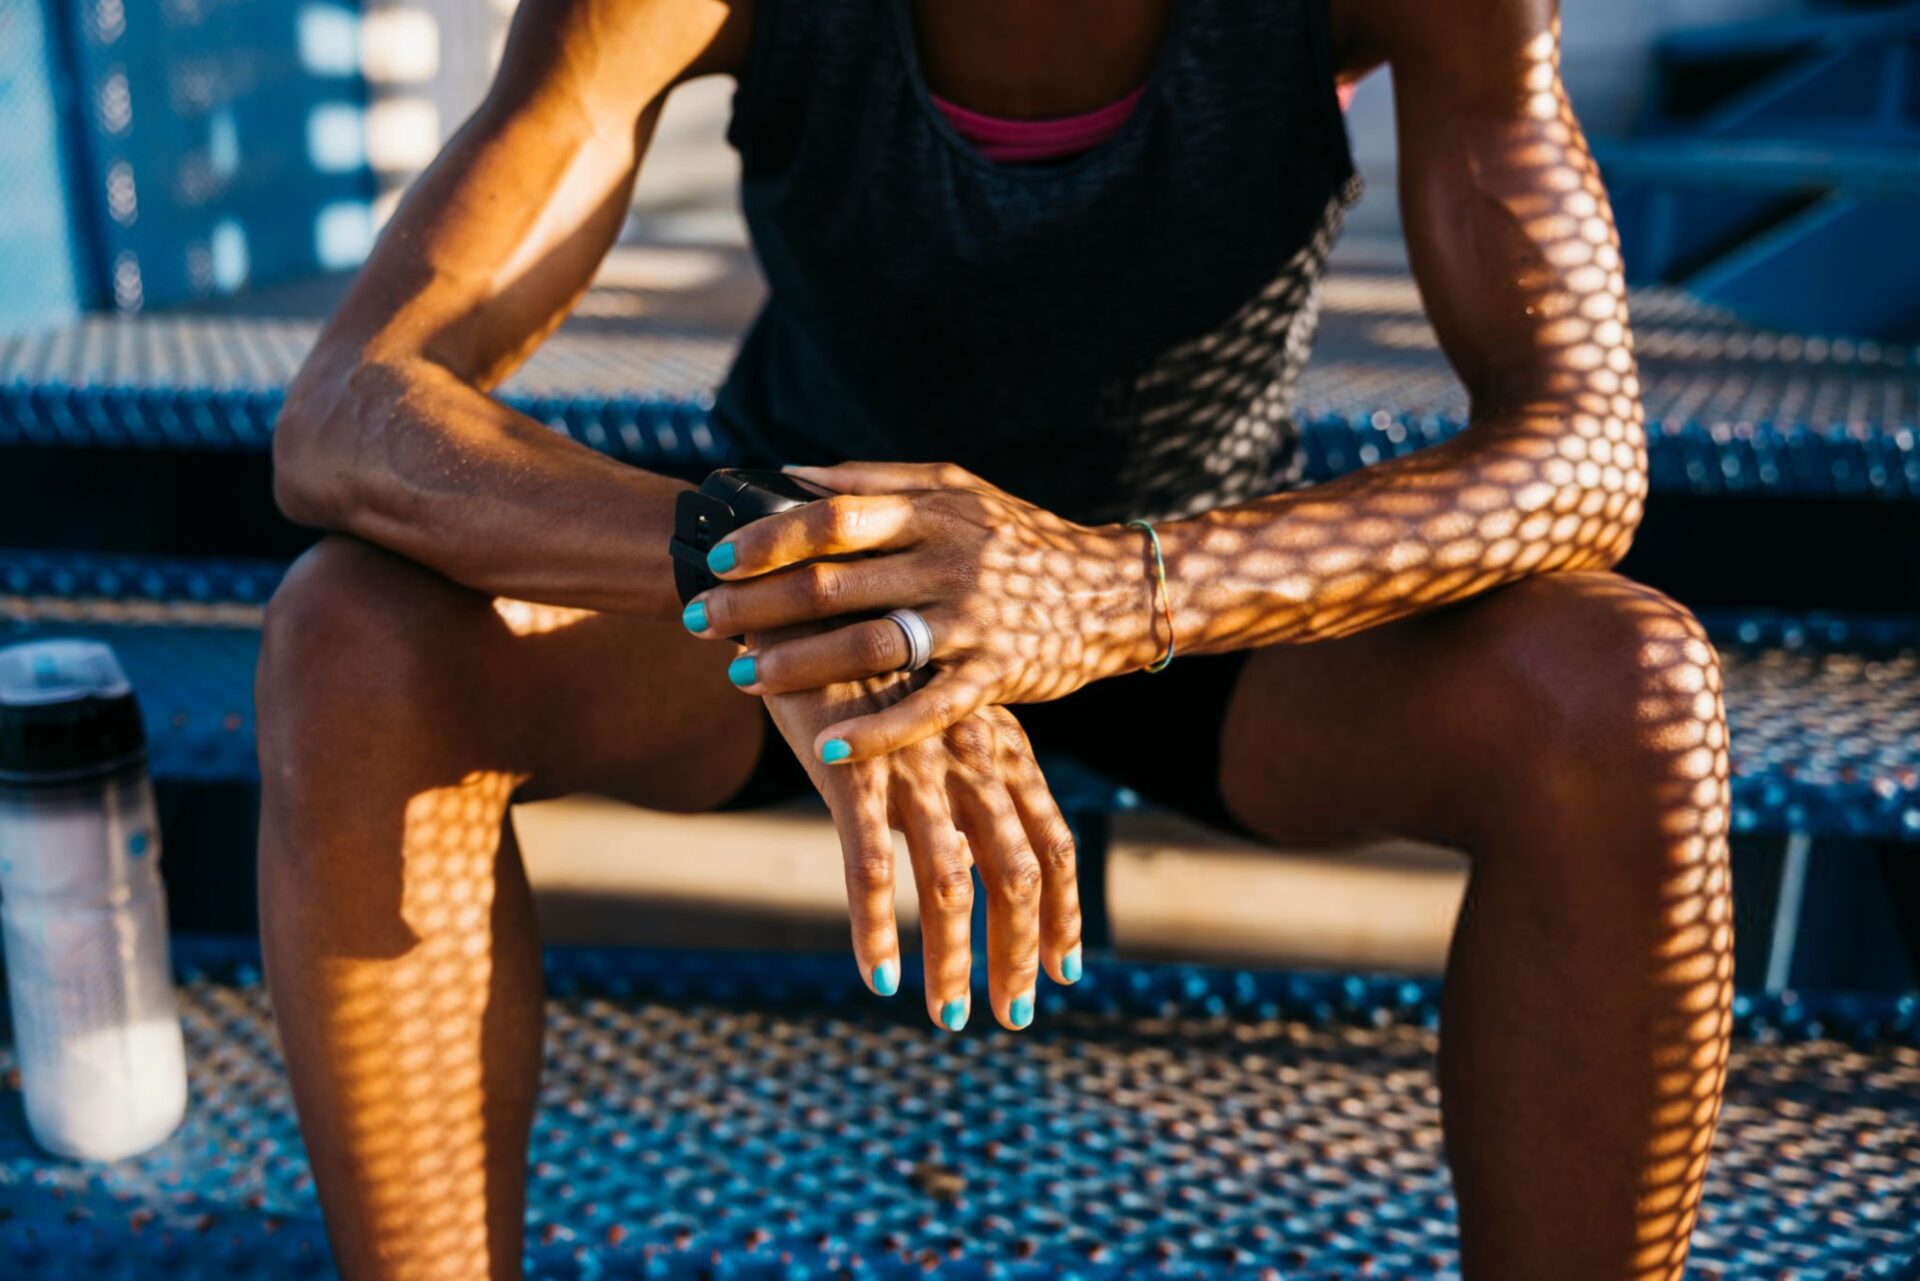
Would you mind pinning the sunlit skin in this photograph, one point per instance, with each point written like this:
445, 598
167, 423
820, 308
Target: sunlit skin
493, 618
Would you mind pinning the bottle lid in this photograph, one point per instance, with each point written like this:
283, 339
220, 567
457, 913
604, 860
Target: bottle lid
67, 713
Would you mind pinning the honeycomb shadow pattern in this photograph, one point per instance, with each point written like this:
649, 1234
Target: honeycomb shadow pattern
752, 1116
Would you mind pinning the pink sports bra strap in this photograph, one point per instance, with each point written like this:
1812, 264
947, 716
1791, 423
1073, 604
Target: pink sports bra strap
1012, 142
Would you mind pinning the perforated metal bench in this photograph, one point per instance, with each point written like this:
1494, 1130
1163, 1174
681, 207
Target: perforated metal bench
1312, 1151
1730, 409
766, 1119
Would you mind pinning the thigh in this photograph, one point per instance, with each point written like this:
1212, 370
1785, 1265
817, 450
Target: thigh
365, 647
631, 708
1423, 727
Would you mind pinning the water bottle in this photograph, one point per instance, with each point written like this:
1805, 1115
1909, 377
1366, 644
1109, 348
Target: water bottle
84, 917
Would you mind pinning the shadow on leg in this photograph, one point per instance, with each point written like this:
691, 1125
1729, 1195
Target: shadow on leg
399, 717
1567, 733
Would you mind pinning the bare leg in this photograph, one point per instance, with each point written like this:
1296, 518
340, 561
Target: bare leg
399, 716
1567, 734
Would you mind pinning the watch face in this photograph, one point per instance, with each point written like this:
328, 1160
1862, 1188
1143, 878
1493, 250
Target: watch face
780, 484
753, 493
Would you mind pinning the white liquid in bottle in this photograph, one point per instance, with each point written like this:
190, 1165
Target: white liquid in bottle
82, 908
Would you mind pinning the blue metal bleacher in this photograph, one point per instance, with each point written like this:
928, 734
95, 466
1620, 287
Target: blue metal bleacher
1731, 409
758, 1118
1825, 709
696, 1120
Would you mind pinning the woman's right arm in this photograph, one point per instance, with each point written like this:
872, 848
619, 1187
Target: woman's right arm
388, 433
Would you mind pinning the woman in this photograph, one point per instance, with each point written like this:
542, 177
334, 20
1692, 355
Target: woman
1047, 369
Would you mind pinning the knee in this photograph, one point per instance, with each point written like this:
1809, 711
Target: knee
355, 649
1614, 691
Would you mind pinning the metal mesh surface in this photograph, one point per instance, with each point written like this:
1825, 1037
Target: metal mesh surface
1824, 722
1731, 409
755, 1116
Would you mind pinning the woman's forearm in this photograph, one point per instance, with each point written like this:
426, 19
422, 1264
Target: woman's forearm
387, 432
408, 456
1533, 490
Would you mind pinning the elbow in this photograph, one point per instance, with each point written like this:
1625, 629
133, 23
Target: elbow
298, 489
294, 492
311, 437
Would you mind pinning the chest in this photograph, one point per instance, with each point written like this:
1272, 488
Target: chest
1019, 60
874, 218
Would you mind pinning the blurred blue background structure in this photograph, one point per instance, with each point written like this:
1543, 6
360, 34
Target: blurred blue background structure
1777, 171
199, 145
185, 186
1762, 154
46, 271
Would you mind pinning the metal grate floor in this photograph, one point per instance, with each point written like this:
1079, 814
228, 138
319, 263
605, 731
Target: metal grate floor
753, 1116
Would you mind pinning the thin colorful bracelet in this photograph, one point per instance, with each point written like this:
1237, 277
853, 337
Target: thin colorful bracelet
1160, 586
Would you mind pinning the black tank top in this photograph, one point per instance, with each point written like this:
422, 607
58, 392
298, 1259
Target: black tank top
1115, 334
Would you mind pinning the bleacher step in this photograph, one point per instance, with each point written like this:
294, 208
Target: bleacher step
1825, 711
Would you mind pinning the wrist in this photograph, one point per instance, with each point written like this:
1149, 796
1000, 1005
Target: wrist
1134, 633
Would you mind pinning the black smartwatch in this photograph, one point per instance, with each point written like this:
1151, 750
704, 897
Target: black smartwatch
726, 500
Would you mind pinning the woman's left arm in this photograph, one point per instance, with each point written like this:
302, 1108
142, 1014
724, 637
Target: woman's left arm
1512, 243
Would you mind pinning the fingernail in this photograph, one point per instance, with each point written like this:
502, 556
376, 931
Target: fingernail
740, 670
1070, 966
695, 616
1020, 1013
835, 750
953, 1015
722, 557
886, 978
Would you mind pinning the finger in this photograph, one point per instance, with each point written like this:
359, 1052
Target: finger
1053, 845
888, 478
849, 653
943, 877
1011, 877
866, 844
943, 702
807, 593
827, 527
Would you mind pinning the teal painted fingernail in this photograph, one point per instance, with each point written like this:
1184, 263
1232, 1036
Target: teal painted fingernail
953, 1015
835, 750
1070, 967
722, 557
1020, 1013
695, 616
740, 670
886, 978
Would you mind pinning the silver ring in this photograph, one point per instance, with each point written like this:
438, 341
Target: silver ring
919, 638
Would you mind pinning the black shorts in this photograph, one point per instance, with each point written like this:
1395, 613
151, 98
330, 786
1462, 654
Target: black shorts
1155, 732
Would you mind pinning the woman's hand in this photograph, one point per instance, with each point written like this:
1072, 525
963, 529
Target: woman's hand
973, 794
1023, 606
